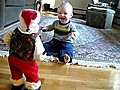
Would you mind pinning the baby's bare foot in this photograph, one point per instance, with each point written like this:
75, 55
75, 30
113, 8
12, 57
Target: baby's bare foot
66, 58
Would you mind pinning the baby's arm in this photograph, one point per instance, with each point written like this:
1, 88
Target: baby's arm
74, 33
47, 28
8, 37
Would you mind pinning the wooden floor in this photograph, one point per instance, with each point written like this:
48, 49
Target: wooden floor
67, 77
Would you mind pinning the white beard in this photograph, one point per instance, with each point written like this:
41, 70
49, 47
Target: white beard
34, 27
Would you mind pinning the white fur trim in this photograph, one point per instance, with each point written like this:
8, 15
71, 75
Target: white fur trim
18, 82
32, 85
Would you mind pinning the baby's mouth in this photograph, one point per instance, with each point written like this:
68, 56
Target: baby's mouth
62, 19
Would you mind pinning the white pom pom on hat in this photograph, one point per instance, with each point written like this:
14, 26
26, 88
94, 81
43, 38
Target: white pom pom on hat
29, 17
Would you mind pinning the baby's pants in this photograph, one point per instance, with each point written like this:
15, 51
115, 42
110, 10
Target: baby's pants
60, 47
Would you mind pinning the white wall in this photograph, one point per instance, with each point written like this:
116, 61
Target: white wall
51, 2
119, 5
81, 4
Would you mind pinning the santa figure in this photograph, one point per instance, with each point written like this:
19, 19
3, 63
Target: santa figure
25, 48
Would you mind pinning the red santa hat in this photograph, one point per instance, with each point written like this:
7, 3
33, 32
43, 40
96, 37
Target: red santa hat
28, 17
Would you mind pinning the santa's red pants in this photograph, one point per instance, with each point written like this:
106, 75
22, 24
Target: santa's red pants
19, 67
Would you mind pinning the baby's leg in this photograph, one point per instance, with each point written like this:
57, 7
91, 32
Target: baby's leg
66, 53
49, 47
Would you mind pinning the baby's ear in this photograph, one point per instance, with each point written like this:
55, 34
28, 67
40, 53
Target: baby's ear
71, 15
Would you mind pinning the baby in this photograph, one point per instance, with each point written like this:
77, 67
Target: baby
65, 33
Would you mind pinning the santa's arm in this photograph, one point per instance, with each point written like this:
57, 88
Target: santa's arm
7, 37
39, 49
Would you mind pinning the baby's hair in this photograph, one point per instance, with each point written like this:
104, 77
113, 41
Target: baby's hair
67, 4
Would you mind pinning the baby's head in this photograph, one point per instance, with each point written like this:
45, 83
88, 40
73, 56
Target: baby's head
29, 20
65, 12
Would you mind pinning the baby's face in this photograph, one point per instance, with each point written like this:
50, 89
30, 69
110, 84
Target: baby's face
64, 14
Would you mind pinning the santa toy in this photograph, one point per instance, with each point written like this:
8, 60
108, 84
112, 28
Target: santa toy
25, 48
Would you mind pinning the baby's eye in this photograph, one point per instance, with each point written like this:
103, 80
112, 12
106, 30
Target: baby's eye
59, 12
65, 13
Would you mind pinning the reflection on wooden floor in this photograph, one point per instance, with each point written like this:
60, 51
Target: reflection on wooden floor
67, 77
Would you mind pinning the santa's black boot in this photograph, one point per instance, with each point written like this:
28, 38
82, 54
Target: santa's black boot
21, 87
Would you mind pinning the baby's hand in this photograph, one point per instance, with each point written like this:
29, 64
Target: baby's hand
43, 28
72, 36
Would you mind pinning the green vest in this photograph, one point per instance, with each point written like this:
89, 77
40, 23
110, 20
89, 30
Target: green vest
22, 45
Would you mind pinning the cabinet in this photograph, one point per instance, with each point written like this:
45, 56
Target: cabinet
10, 9
117, 17
99, 17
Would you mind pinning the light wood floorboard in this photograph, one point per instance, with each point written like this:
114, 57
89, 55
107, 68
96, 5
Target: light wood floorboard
56, 76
